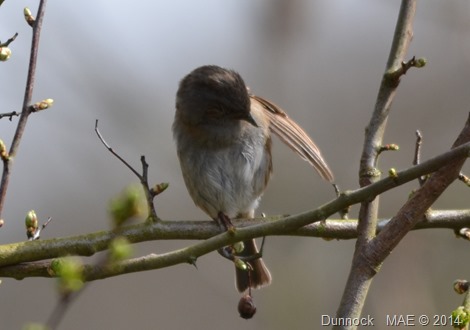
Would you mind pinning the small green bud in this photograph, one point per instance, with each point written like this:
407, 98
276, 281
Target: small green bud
119, 249
389, 147
5, 54
420, 62
3, 150
34, 326
393, 173
70, 273
31, 223
238, 247
460, 317
31, 219
28, 16
159, 188
129, 204
44, 104
27, 12
240, 264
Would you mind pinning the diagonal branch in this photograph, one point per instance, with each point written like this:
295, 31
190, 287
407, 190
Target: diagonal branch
367, 263
89, 244
417, 205
337, 229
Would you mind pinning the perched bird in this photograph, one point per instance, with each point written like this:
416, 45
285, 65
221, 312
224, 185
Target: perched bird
223, 140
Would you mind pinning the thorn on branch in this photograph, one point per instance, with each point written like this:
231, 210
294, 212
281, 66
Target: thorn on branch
192, 261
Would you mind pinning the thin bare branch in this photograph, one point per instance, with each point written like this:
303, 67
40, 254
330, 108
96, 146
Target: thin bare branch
143, 178
10, 115
111, 150
7, 164
9, 41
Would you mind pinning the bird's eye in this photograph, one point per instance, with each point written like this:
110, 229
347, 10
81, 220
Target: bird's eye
215, 112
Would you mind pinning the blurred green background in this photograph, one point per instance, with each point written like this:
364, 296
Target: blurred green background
322, 61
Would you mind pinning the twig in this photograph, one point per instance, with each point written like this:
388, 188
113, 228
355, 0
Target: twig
7, 163
412, 63
32, 109
37, 234
9, 41
149, 195
344, 214
417, 155
419, 141
111, 150
62, 306
9, 114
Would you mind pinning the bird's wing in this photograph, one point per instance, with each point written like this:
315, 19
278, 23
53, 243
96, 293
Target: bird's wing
294, 136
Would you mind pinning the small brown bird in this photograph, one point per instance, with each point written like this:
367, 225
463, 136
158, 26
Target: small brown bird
223, 140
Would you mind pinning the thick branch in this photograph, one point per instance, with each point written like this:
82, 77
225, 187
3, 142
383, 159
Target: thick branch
331, 229
367, 263
357, 286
